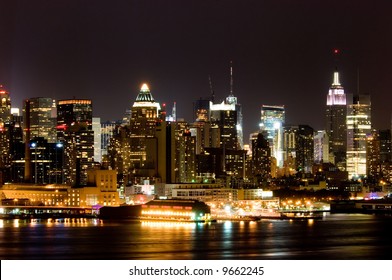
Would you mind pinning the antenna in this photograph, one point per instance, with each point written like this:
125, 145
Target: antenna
231, 78
174, 112
211, 90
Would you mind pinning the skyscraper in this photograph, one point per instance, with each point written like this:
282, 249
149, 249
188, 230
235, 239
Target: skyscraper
358, 129
321, 147
96, 127
42, 118
5, 119
272, 121
336, 112
74, 130
5, 106
261, 157
224, 126
226, 122
144, 117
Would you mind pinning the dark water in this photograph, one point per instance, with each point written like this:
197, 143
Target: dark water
336, 236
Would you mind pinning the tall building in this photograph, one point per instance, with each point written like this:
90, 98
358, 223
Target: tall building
5, 106
321, 147
385, 145
272, 121
46, 161
201, 109
298, 147
144, 117
261, 157
358, 129
5, 119
224, 126
107, 132
336, 112
373, 155
42, 118
128, 146
96, 127
226, 122
17, 149
174, 152
74, 130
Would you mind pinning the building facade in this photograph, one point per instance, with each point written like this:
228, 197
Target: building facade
272, 122
358, 129
74, 131
336, 129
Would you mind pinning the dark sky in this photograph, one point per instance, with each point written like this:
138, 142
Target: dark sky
281, 53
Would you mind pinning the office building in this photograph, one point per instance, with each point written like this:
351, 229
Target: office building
336, 130
5, 118
74, 131
321, 147
299, 147
358, 129
42, 118
272, 121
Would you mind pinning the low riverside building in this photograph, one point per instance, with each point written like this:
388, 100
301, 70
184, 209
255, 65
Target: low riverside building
30, 194
201, 191
101, 191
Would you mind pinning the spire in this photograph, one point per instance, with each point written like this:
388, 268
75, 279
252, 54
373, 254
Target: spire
144, 94
231, 78
231, 99
211, 90
336, 81
174, 112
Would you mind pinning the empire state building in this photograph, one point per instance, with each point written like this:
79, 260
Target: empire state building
336, 113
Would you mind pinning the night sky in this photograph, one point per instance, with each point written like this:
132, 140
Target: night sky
282, 53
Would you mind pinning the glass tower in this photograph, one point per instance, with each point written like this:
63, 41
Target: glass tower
272, 121
358, 129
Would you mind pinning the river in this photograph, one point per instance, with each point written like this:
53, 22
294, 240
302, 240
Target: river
334, 237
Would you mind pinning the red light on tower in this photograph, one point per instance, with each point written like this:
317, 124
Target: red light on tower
336, 51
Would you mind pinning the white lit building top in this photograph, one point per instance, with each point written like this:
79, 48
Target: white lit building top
145, 99
336, 95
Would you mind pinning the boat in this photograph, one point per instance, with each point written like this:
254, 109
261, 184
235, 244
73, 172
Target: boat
179, 210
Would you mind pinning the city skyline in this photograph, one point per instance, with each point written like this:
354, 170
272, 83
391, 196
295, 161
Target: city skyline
281, 53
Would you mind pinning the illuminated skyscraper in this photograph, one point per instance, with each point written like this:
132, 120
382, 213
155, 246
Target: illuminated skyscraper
74, 130
373, 155
5, 119
5, 106
298, 145
358, 129
107, 131
226, 122
144, 117
201, 109
272, 121
223, 126
127, 150
96, 127
336, 112
261, 157
42, 118
321, 147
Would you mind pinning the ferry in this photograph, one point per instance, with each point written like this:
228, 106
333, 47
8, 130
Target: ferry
179, 210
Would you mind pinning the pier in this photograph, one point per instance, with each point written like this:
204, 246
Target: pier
45, 212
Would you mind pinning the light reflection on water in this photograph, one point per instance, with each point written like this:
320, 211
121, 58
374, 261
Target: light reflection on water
337, 236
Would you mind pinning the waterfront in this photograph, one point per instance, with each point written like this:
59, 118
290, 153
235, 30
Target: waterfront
336, 236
